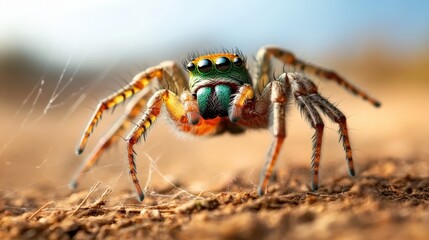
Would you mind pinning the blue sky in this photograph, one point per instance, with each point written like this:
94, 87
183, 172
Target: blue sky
109, 29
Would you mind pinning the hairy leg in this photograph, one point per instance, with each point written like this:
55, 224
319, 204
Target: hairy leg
134, 108
139, 82
183, 112
263, 70
313, 117
279, 98
338, 117
307, 97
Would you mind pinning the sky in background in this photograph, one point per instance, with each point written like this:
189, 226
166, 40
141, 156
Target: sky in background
106, 29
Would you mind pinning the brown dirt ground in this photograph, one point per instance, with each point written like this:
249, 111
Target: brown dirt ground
386, 201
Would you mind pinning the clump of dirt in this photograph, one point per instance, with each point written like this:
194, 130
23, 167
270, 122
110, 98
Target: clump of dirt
388, 199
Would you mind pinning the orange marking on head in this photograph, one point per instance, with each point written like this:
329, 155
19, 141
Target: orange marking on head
214, 56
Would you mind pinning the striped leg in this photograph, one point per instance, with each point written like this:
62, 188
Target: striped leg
311, 114
184, 113
139, 82
303, 89
338, 117
134, 108
307, 98
263, 70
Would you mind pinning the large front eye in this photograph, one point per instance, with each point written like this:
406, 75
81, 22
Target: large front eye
205, 66
223, 64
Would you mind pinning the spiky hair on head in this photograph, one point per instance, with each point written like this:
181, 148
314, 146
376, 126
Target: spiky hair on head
195, 54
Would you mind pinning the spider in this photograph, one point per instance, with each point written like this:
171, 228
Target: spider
219, 97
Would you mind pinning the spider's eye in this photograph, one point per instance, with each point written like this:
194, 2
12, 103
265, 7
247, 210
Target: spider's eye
205, 66
238, 62
190, 66
223, 64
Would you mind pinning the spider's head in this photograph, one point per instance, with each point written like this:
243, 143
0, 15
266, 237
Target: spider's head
210, 69
214, 78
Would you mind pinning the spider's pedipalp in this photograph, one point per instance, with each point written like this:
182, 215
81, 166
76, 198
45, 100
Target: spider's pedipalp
244, 94
191, 108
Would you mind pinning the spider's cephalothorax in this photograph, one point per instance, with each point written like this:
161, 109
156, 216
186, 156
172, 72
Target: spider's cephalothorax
214, 79
221, 96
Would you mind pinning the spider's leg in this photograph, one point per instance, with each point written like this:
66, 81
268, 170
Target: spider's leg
303, 89
338, 117
316, 122
183, 112
279, 98
139, 82
263, 58
134, 108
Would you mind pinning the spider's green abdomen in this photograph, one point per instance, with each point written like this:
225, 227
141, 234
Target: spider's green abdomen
213, 101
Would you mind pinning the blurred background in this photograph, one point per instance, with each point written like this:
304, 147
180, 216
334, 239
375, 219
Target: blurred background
59, 58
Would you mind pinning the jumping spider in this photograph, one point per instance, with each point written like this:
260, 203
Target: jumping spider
220, 96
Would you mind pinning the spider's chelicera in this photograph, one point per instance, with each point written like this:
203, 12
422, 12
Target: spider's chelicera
220, 96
